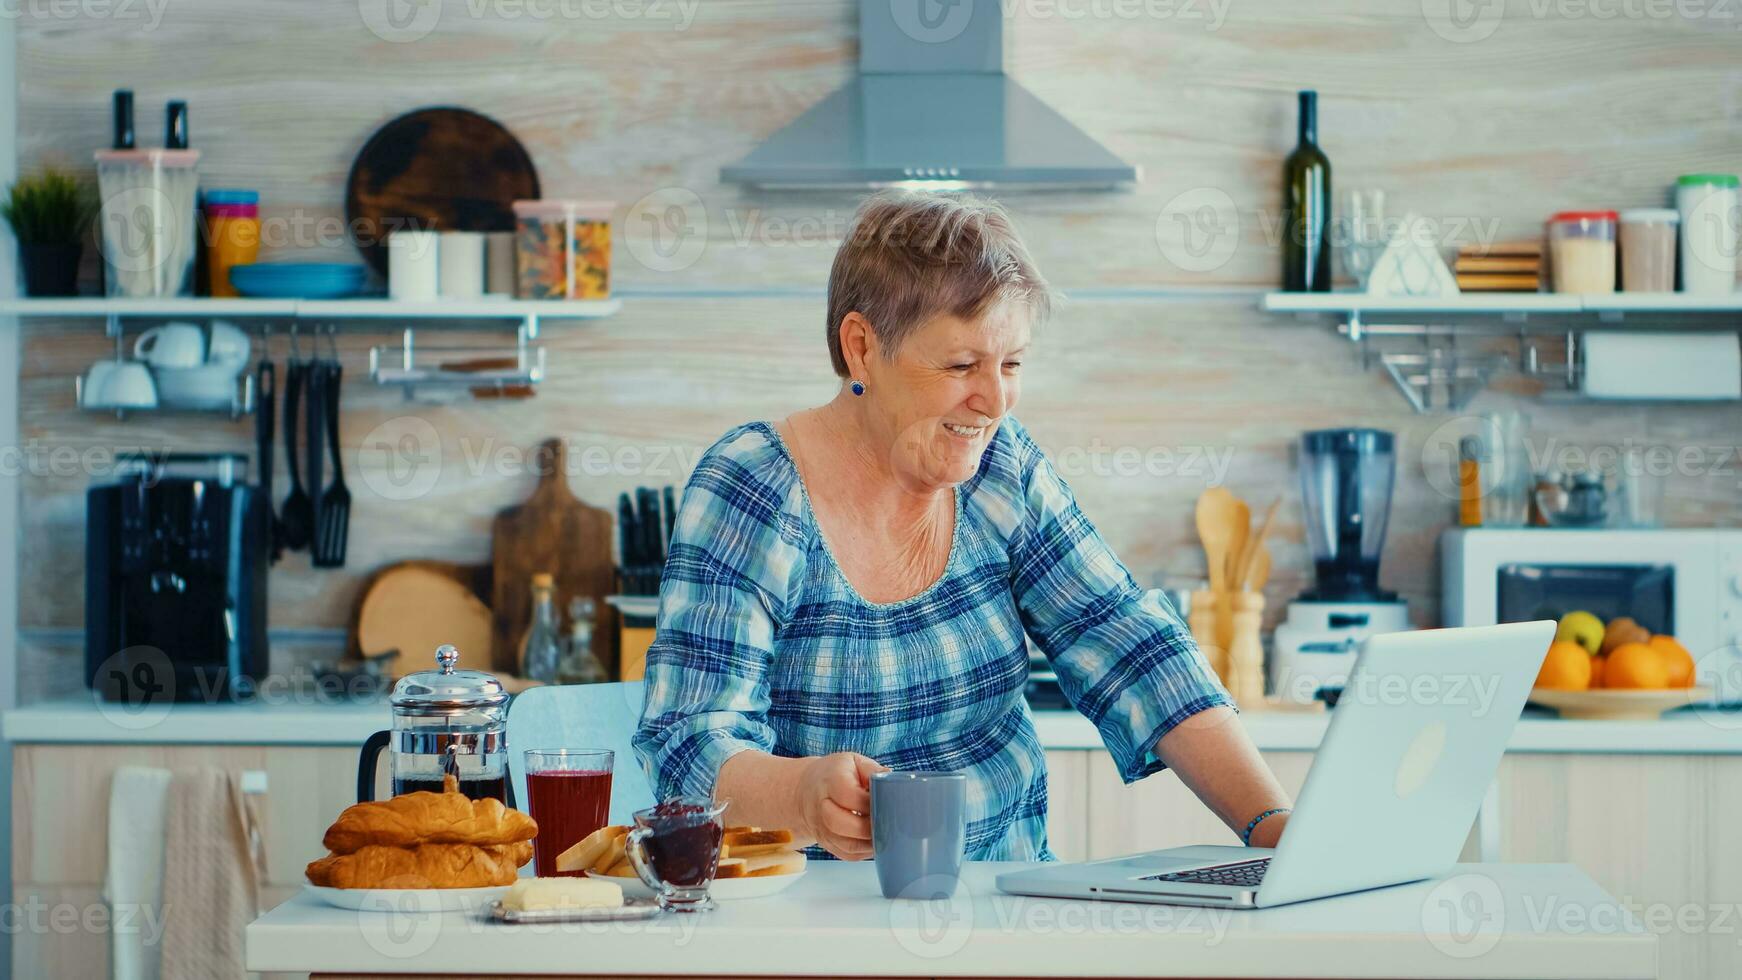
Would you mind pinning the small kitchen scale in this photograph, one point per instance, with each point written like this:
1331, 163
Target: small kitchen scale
1346, 477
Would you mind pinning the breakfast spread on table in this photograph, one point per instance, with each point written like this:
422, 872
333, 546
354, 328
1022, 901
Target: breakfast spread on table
425, 840
745, 852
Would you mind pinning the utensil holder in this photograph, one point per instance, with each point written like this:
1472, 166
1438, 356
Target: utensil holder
1202, 621
1245, 678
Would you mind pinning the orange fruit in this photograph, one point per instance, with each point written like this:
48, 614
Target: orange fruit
1636, 665
1676, 659
1566, 668
1597, 665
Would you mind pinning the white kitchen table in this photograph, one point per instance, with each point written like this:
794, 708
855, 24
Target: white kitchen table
1481, 921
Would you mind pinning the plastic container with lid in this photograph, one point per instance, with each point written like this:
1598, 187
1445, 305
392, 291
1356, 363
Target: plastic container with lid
147, 215
1582, 251
231, 235
1648, 247
562, 249
1708, 204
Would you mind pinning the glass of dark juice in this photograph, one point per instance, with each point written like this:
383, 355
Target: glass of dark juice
568, 792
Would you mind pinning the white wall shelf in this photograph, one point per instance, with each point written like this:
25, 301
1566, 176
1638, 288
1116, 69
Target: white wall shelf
528, 312
1512, 308
1434, 374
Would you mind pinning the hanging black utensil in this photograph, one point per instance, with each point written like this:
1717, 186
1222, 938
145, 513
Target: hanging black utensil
335, 507
265, 423
297, 517
314, 446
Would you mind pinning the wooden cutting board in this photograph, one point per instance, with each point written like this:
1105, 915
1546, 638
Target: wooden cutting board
554, 532
442, 169
415, 606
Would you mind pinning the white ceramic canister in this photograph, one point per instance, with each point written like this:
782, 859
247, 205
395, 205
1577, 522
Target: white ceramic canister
462, 264
413, 266
1708, 204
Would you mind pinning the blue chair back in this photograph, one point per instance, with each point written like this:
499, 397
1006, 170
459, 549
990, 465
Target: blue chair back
583, 716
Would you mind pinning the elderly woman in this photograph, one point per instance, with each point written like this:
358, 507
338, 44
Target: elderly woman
853, 587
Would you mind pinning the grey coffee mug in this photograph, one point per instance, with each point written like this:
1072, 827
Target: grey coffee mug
919, 831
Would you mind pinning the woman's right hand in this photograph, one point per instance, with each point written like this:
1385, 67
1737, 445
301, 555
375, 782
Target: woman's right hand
834, 800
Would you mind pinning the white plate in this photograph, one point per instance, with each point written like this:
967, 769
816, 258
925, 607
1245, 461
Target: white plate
408, 899
726, 889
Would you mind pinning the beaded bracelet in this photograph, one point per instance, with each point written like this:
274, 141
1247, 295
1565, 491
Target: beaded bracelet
1246, 835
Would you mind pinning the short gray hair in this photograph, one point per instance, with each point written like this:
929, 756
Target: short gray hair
908, 257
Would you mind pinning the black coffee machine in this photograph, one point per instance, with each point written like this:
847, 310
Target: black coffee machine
176, 551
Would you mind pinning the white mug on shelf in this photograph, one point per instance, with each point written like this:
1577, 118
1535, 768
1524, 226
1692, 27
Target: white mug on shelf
210, 386
119, 384
413, 266
229, 344
172, 345
96, 379
462, 264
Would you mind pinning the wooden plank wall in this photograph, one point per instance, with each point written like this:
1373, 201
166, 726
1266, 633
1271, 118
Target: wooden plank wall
1484, 128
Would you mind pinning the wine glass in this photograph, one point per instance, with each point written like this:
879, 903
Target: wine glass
1364, 233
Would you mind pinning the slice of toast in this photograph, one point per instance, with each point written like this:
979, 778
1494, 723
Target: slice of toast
729, 868
613, 853
778, 863
587, 851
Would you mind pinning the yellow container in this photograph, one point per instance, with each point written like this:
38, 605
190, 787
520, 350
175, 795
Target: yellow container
231, 238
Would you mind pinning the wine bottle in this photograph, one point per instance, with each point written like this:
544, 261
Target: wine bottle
123, 120
543, 650
1306, 208
175, 126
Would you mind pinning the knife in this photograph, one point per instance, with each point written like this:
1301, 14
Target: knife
670, 517
626, 532
647, 512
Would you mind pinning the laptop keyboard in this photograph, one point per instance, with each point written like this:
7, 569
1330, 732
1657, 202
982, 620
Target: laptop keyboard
1244, 874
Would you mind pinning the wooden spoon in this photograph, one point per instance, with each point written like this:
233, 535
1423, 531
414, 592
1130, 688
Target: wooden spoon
1243, 568
1259, 573
1241, 529
1215, 519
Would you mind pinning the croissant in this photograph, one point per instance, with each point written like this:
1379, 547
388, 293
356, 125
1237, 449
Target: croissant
428, 818
424, 866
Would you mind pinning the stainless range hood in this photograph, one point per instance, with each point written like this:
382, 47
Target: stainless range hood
931, 109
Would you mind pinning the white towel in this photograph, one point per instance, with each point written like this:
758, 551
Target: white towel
213, 870
133, 881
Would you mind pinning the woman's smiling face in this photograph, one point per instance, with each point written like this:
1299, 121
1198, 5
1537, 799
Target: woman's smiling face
945, 390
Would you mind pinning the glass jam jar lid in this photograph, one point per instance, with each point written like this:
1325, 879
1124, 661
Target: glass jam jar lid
446, 690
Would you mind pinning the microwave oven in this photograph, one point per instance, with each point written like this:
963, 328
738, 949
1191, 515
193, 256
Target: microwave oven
1686, 582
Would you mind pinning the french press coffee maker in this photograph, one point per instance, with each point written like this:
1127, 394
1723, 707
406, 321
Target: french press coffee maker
446, 722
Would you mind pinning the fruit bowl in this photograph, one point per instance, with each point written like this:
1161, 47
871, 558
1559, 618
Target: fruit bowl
1618, 705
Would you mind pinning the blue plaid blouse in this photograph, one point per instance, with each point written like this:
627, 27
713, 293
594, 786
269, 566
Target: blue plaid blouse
763, 644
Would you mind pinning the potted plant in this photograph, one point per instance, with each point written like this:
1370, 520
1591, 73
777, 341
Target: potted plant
50, 214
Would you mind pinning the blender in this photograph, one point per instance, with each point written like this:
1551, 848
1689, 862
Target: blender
1346, 477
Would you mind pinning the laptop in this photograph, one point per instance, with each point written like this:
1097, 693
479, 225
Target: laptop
1412, 746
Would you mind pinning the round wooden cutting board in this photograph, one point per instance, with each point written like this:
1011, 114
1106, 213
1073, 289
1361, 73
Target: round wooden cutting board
440, 169
413, 609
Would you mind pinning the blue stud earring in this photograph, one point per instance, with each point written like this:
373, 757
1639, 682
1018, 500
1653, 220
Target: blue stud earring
858, 387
